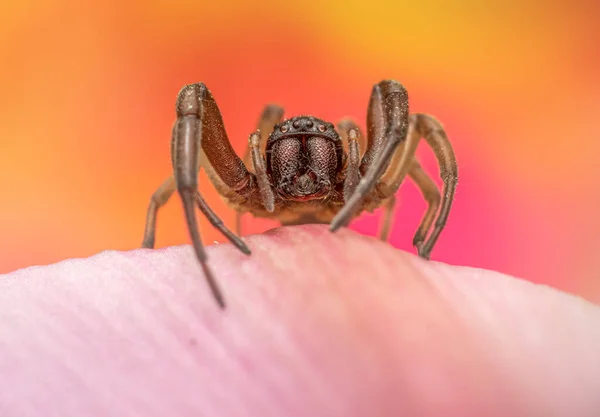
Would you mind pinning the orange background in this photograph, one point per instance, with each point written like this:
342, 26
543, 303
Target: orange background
87, 97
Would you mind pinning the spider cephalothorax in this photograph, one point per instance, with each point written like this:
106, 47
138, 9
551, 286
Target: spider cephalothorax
304, 170
303, 158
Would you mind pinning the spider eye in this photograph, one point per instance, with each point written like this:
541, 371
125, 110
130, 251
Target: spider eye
321, 128
284, 128
309, 123
296, 124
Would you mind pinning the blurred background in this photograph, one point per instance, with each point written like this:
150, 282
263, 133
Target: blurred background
87, 94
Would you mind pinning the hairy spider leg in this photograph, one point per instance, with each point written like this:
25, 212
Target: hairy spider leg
260, 170
344, 126
271, 115
432, 196
387, 123
186, 143
388, 160
353, 140
395, 174
434, 134
388, 217
404, 162
217, 222
160, 198
401, 161
199, 131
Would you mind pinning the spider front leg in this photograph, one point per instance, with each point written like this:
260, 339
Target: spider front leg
387, 125
354, 139
199, 131
390, 157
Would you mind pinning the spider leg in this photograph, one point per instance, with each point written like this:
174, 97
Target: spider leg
159, 199
388, 217
260, 169
404, 163
185, 146
434, 134
271, 115
238, 223
344, 126
199, 132
216, 221
353, 139
432, 196
387, 122
400, 164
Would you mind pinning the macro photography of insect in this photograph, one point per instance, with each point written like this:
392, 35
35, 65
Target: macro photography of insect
303, 170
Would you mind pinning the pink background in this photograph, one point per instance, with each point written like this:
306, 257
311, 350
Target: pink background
87, 97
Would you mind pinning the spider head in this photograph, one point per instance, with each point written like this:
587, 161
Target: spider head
304, 156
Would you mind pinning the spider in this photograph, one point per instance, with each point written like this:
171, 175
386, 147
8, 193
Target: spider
304, 170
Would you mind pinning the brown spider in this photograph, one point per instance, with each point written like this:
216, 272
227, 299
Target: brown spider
311, 174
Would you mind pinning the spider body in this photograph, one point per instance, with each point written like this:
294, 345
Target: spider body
303, 169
